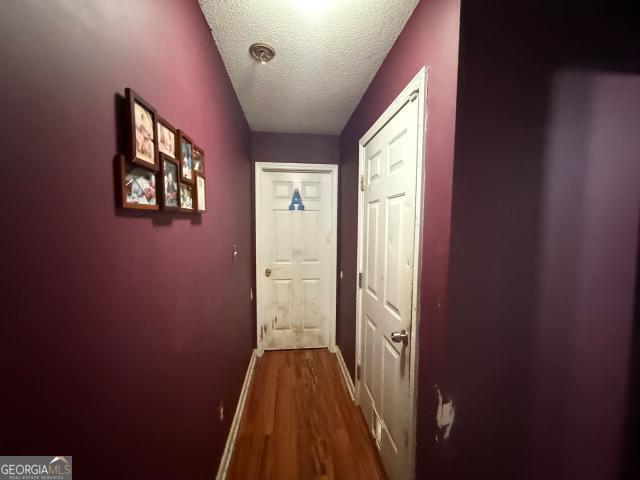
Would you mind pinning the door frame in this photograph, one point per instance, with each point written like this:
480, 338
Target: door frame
332, 170
417, 84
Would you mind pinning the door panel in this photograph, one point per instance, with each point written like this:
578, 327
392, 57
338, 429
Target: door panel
284, 303
371, 272
311, 296
389, 199
282, 233
296, 246
311, 242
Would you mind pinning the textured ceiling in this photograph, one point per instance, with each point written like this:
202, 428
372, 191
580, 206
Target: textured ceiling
327, 53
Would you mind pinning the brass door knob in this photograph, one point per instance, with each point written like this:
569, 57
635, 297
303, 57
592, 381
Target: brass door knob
267, 272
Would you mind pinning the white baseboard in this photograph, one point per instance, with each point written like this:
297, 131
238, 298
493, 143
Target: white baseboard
233, 431
345, 373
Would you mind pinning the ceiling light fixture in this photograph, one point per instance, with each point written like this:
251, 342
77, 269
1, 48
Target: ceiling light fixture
313, 6
262, 52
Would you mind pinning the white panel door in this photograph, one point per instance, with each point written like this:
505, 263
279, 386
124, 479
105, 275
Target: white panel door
388, 232
295, 263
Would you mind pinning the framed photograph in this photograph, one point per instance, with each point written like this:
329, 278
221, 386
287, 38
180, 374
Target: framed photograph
166, 138
185, 156
143, 134
169, 184
186, 197
198, 161
201, 195
138, 186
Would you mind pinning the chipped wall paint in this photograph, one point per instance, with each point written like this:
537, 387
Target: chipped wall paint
444, 417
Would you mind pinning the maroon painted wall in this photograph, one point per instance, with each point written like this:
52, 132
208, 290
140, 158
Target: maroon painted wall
429, 39
544, 244
295, 147
540, 293
121, 332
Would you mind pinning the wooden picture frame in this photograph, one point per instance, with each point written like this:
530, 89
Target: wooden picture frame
185, 199
185, 157
143, 131
198, 161
165, 130
135, 193
200, 194
169, 183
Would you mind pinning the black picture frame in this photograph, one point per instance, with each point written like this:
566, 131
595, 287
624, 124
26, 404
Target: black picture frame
186, 164
166, 165
183, 197
198, 161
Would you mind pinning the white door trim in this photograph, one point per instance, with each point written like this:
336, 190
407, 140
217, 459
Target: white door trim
261, 168
419, 84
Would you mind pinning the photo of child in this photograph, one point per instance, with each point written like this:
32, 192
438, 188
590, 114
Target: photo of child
187, 160
186, 198
166, 141
144, 134
140, 186
198, 161
170, 170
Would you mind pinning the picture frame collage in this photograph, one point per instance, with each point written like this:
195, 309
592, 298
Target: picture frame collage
163, 168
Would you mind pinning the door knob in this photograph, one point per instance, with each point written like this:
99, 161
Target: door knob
398, 337
267, 272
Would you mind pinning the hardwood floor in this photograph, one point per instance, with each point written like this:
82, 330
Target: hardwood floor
300, 423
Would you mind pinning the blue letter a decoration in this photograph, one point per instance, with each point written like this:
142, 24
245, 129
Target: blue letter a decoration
296, 200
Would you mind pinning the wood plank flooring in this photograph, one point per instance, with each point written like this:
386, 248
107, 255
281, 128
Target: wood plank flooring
300, 423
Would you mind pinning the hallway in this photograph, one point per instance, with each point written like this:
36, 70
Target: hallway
205, 199
300, 423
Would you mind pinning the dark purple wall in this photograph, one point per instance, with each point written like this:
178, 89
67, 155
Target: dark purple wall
121, 332
544, 244
429, 39
295, 147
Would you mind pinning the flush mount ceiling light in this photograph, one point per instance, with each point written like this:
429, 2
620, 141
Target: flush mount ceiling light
313, 6
262, 52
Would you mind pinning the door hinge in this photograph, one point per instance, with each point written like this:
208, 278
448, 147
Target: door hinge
362, 185
358, 372
359, 280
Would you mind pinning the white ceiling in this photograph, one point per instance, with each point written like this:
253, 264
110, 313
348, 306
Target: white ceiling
327, 53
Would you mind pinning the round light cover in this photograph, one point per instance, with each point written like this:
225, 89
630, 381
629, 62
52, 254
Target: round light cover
262, 52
